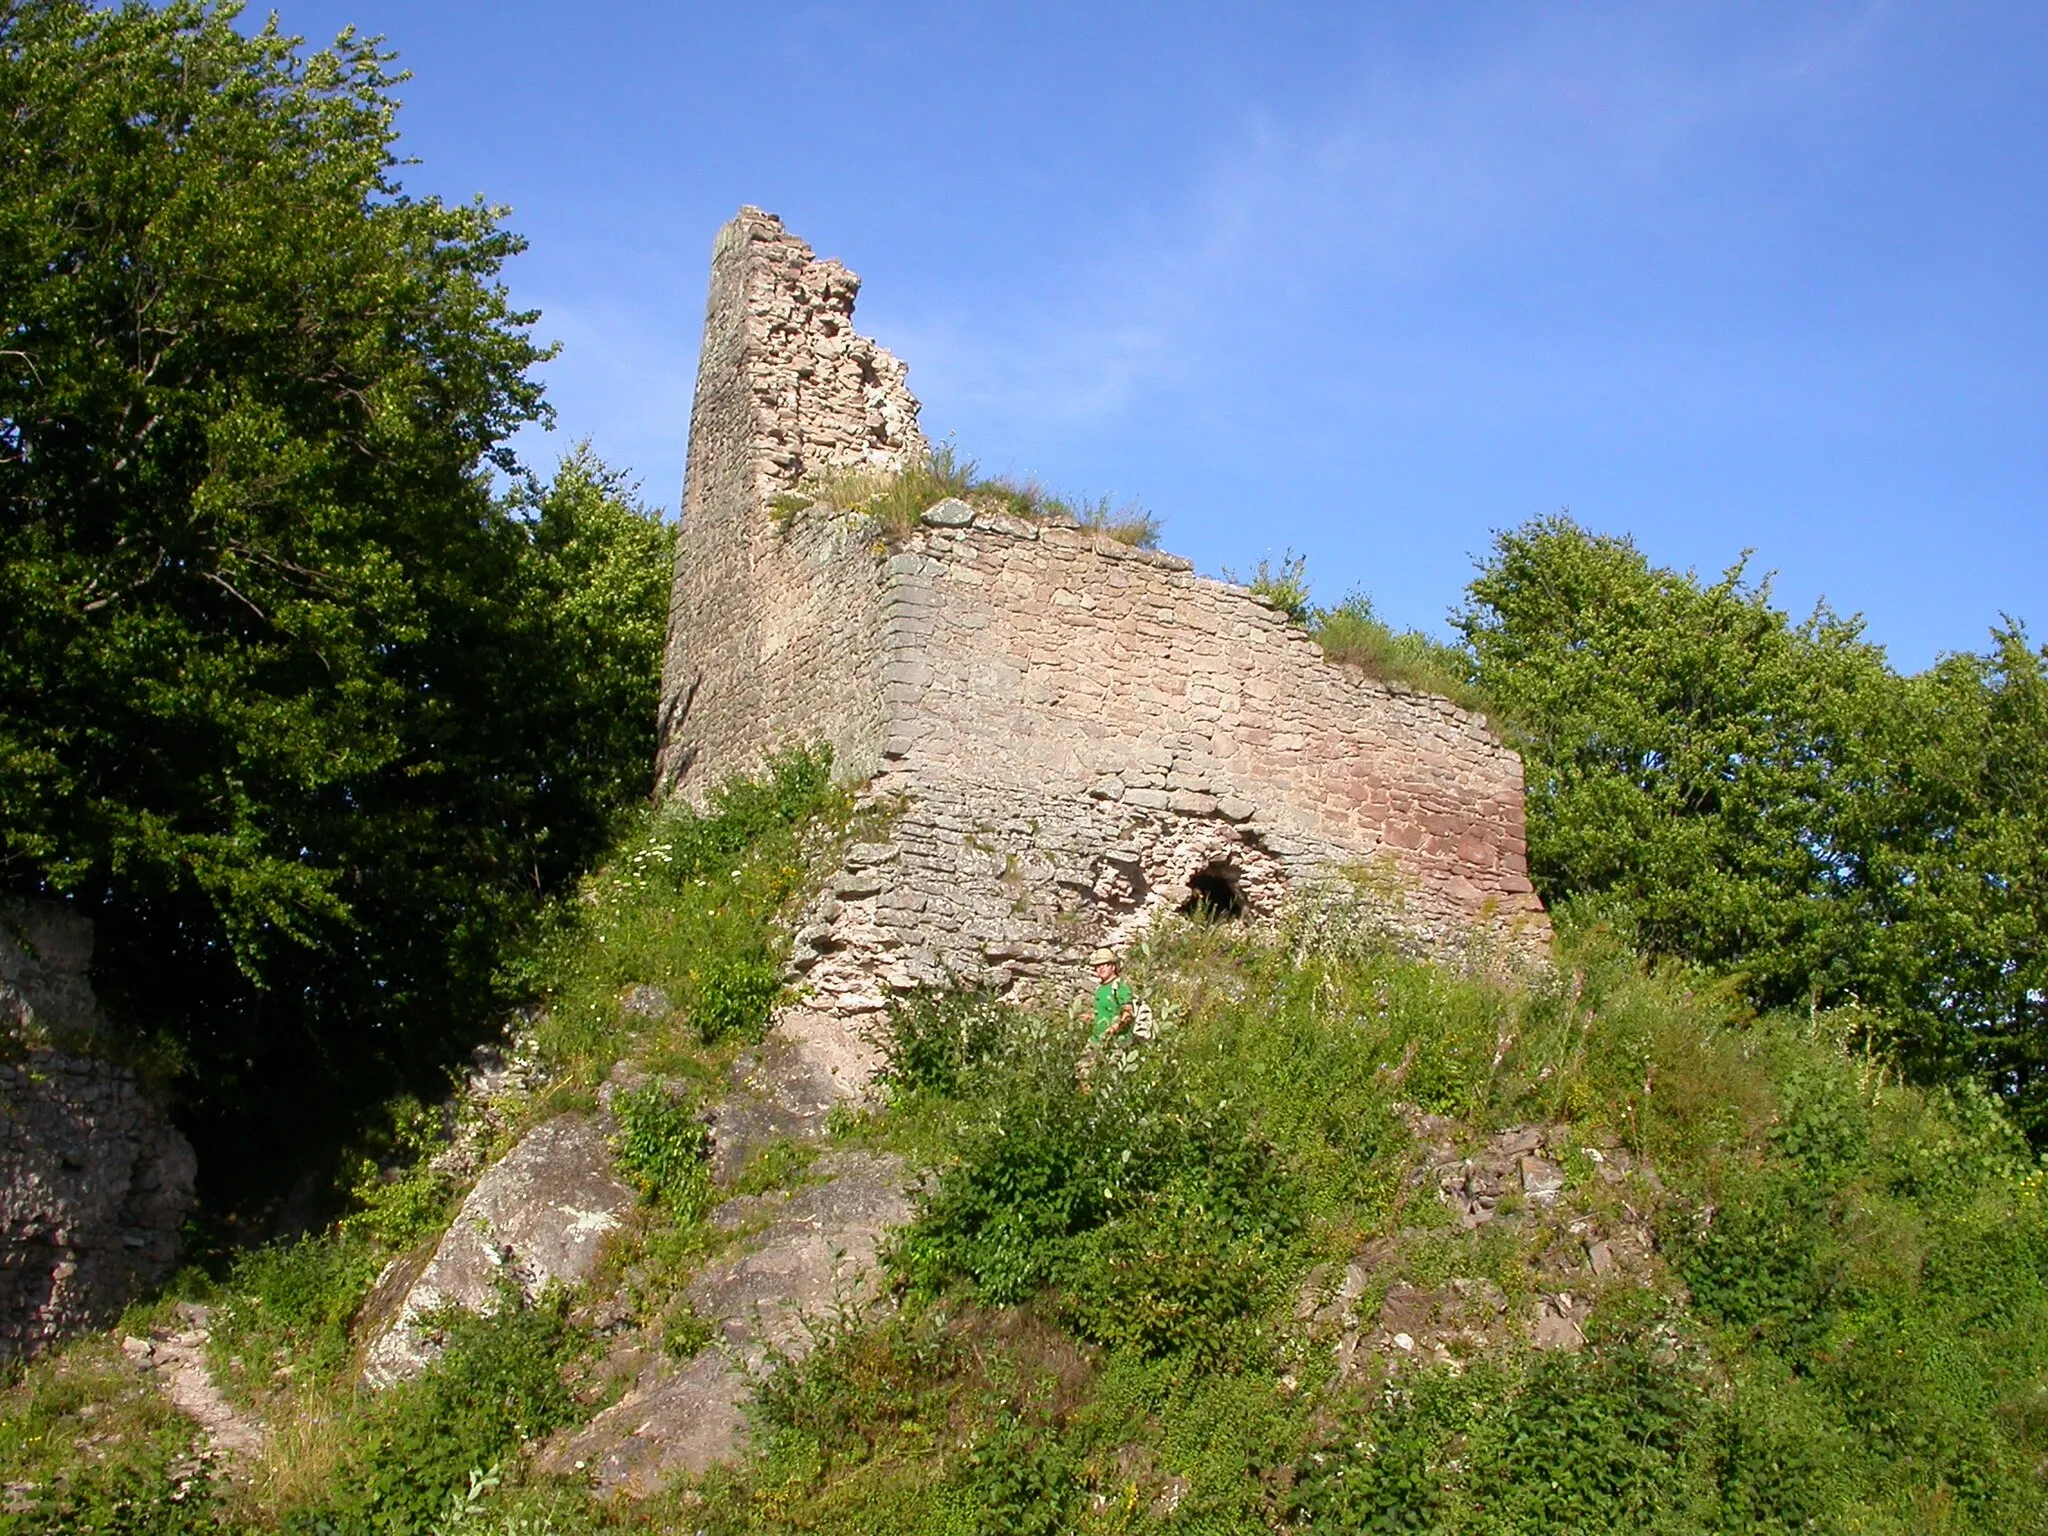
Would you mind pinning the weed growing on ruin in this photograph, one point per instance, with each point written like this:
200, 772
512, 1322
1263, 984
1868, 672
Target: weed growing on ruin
897, 501
1284, 585
1126, 522
1353, 634
676, 937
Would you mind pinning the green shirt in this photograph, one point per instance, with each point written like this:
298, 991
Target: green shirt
1111, 998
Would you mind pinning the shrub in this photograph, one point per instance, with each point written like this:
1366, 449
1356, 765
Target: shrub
1172, 1276
733, 992
859, 1384
1383, 1482
663, 1147
1043, 1162
289, 1305
1016, 1480
498, 1385
398, 1196
934, 1040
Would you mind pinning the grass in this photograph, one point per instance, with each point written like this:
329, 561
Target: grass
687, 917
897, 501
1844, 1327
1351, 634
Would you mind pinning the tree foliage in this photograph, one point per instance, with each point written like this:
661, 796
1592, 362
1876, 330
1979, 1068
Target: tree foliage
1773, 798
290, 699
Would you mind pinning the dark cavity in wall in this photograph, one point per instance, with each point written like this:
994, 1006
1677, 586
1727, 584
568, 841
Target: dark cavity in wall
1213, 893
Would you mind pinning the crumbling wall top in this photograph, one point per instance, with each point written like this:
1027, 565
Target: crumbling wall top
825, 397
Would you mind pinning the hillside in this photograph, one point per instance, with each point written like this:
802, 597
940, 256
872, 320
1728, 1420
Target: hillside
520, 1015
1356, 1242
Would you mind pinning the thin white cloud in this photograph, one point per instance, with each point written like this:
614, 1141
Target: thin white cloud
1409, 173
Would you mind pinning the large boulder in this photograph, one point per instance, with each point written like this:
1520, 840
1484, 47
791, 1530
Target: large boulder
537, 1217
803, 1258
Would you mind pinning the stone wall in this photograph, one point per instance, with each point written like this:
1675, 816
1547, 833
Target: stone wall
95, 1184
1077, 736
785, 390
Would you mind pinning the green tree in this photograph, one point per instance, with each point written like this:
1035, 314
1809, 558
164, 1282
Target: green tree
1690, 753
1772, 798
273, 703
1952, 909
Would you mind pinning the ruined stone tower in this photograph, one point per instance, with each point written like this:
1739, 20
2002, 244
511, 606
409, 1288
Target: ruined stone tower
1080, 735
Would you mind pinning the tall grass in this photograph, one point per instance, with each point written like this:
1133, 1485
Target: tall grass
897, 501
1845, 1326
1354, 635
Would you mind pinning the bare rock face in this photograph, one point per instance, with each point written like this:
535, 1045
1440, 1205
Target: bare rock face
814, 1257
95, 1183
538, 1216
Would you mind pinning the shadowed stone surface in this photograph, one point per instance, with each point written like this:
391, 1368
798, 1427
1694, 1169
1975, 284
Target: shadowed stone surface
95, 1183
815, 1254
537, 1216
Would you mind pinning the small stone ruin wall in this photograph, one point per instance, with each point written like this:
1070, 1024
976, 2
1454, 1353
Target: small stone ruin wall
772, 629
1077, 736
95, 1184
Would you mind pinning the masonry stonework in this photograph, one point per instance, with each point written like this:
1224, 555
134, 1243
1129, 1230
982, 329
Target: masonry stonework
761, 647
95, 1184
1078, 736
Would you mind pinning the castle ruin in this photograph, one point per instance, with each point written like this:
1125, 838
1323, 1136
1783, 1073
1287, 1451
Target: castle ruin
1078, 735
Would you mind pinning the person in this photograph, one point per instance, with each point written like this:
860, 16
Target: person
1115, 1004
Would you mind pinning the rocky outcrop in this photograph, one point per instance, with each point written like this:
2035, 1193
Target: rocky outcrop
1579, 1246
800, 1259
95, 1183
537, 1217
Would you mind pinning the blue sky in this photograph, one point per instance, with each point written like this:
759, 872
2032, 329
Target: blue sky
1364, 281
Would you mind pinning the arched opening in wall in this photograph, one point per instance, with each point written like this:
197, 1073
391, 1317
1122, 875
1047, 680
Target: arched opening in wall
1214, 894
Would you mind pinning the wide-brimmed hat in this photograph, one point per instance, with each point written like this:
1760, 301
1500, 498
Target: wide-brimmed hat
1103, 957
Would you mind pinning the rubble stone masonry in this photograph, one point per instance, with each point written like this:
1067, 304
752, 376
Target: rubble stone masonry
1078, 735
95, 1184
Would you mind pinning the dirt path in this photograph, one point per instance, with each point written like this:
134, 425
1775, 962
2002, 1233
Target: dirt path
177, 1358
